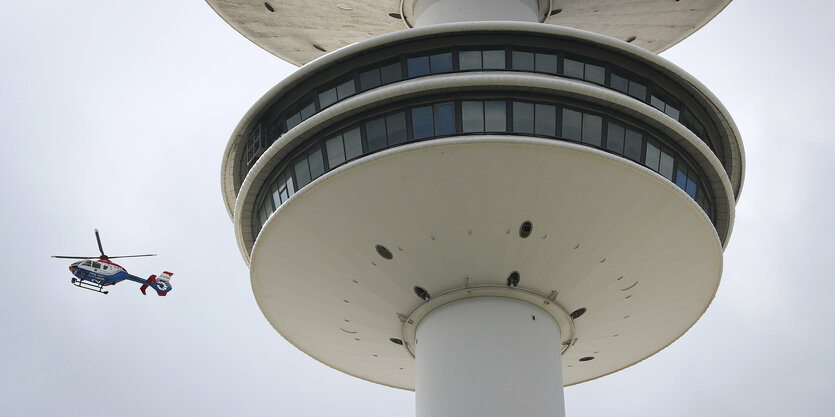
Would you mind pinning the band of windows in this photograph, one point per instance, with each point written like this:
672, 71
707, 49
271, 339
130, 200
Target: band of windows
463, 117
472, 59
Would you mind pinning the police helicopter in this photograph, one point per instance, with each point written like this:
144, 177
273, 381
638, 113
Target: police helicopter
96, 274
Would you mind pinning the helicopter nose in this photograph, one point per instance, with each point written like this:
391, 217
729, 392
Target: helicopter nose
72, 269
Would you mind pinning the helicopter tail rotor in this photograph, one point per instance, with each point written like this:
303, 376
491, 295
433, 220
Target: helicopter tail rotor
161, 283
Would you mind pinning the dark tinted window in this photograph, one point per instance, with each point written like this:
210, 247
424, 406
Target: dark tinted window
390, 73
375, 131
545, 63
521, 60
418, 66
495, 116
353, 143
422, 124
445, 121
494, 59
571, 124
396, 127
545, 118
336, 152
472, 116
441, 62
592, 129
632, 150
370, 79
522, 117
614, 137
469, 60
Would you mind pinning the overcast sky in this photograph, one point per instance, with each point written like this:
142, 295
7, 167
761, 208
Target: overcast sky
115, 115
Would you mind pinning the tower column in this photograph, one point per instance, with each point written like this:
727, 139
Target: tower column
488, 357
431, 12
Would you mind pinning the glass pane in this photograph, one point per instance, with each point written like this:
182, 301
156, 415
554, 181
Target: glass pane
656, 102
302, 173
494, 59
353, 143
317, 164
422, 124
692, 186
572, 68
346, 89
293, 120
370, 79
637, 90
443, 117
441, 62
545, 117
653, 155
472, 116
263, 215
336, 153
687, 118
276, 195
672, 111
289, 177
634, 140
390, 73
614, 137
522, 61
681, 179
546, 63
665, 167
619, 83
375, 131
522, 117
327, 97
571, 124
495, 116
396, 127
469, 60
418, 66
308, 110
595, 74
592, 129
284, 194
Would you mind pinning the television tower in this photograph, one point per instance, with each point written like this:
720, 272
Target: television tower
481, 200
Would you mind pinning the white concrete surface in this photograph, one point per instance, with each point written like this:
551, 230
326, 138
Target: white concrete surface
488, 357
433, 12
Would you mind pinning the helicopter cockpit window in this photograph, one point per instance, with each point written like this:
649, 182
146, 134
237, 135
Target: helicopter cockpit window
96, 265
86, 263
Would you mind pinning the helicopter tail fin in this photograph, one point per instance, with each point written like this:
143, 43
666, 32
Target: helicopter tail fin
161, 283
152, 279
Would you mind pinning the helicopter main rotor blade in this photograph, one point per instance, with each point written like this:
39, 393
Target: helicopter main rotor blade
131, 256
98, 240
74, 257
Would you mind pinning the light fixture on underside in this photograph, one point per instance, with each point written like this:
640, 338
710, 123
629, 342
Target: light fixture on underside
422, 293
383, 251
513, 279
525, 229
578, 312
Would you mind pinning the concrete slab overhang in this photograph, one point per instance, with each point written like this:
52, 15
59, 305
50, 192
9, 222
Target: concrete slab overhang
300, 31
608, 236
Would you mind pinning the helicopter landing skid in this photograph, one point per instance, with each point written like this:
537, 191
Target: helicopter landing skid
89, 286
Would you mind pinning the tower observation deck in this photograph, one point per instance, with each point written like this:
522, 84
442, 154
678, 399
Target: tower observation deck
481, 200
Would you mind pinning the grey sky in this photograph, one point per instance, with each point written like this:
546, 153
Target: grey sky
115, 115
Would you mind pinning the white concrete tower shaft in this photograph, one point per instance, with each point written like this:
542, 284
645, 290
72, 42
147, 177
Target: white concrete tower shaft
432, 12
488, 357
